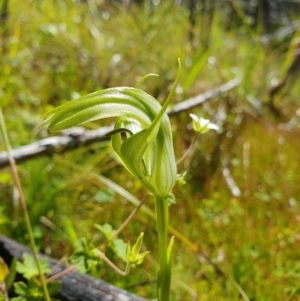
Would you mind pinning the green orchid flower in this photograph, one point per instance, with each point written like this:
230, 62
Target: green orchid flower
147, 152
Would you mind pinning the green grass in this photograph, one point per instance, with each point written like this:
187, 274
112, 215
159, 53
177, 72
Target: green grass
54, 51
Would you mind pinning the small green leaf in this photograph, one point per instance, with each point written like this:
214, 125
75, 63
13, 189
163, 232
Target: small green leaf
107, 230
29, 269
33, 291
21, 288
30, 292
12, 273
19, 299
119, 247
86, 257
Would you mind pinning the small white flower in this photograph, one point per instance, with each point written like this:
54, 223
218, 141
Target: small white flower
202, 125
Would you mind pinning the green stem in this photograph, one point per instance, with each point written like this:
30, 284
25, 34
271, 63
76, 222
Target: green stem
15, 175
164, 273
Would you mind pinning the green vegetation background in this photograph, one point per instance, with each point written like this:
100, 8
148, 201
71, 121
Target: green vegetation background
240, 208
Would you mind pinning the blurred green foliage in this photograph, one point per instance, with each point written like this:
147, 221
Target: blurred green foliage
241, 205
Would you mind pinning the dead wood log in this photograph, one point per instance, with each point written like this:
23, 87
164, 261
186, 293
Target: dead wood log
70, 139
74, 286
78, 137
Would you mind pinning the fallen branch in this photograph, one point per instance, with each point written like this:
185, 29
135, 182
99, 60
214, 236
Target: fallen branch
70, 139
78, 137
74, 286
200, 99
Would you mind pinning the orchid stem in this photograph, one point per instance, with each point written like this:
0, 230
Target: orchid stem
164, 273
